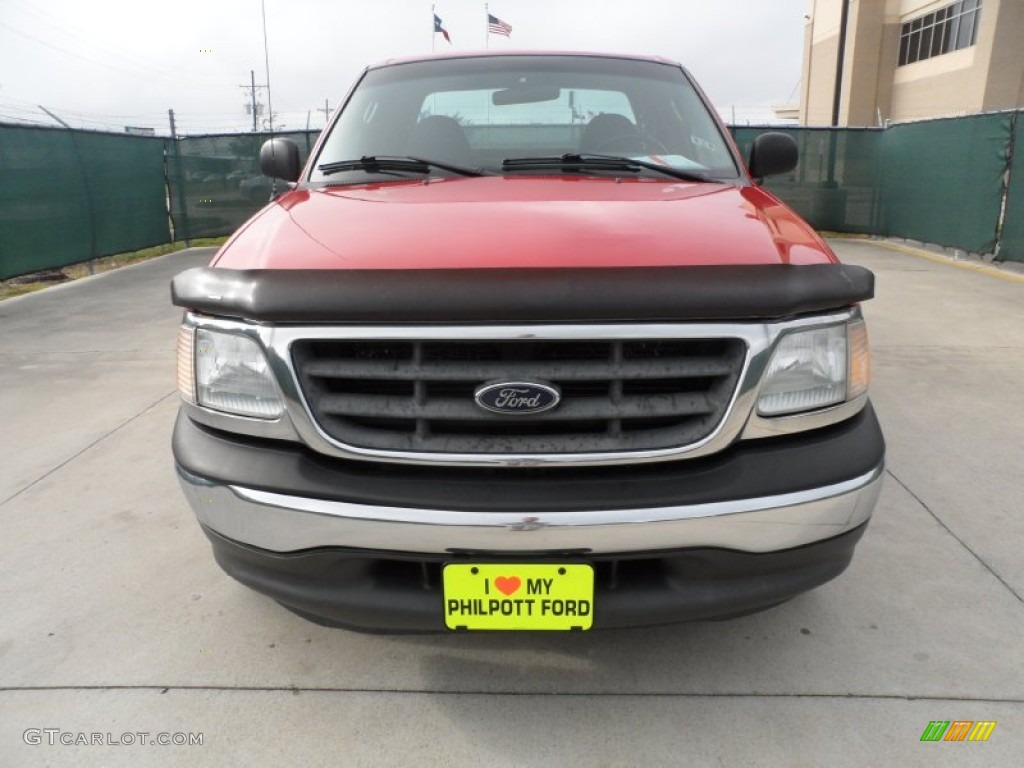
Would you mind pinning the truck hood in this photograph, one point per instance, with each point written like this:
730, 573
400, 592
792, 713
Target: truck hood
494, 222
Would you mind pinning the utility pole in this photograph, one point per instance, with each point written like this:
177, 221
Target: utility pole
832, 198
837, 92
252, 85
326, 110
170, 116
840, 60
810, 65
253, 106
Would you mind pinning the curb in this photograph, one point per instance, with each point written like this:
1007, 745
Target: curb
68, 283
922, 253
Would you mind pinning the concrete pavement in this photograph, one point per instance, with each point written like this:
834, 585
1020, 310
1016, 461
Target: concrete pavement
116, 620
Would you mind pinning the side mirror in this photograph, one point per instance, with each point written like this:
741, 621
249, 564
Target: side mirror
773, 153
279, 159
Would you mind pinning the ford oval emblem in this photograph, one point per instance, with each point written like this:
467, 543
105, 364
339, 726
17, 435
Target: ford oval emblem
517, 397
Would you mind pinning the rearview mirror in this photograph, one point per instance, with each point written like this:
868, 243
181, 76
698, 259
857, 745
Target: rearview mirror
279, 159
526, 94
773, 153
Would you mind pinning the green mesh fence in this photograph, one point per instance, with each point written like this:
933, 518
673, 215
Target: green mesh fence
836, 182
215, 181
1013, 222
942, 180
68, 196
938, 181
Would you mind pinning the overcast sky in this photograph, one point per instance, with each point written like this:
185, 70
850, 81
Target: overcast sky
110, 63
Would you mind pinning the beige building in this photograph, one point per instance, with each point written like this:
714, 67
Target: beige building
912, 59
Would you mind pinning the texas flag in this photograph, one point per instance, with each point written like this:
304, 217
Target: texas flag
439, 27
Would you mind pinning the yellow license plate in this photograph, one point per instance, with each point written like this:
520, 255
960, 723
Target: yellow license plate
533, 596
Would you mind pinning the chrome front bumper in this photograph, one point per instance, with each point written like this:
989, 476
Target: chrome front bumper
286, 523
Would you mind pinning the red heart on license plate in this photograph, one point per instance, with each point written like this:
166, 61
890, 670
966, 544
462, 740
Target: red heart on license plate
508, 584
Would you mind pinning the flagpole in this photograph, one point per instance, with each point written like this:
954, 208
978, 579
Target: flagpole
487, 26
433, 32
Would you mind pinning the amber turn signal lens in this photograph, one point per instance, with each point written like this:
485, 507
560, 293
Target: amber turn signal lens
860, 360
186, 378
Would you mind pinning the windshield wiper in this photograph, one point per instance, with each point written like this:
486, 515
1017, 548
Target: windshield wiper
601, 163
385, 163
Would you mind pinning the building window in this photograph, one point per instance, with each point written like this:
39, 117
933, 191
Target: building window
947, 29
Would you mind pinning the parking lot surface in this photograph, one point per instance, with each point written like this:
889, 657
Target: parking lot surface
116, 620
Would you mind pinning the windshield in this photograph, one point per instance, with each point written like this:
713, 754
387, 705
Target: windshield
479, 112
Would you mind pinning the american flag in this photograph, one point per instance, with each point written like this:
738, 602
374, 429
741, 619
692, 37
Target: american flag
496, 26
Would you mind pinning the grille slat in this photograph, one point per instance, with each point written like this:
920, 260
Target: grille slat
619, 395
581, 409
587, 370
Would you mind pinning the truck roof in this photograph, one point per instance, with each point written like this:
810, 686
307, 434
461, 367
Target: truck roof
490, 54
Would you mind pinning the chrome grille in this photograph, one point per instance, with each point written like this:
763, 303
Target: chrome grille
616, 394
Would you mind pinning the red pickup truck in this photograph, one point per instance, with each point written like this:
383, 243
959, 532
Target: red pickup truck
526, 345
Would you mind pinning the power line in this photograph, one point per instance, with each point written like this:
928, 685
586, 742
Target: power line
113, 124
58, 48
792, 93
123, 70
219, 122
58, 26
24, 105
24, 120
135, 62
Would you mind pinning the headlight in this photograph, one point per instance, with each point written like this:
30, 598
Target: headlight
811, 369
231, 374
